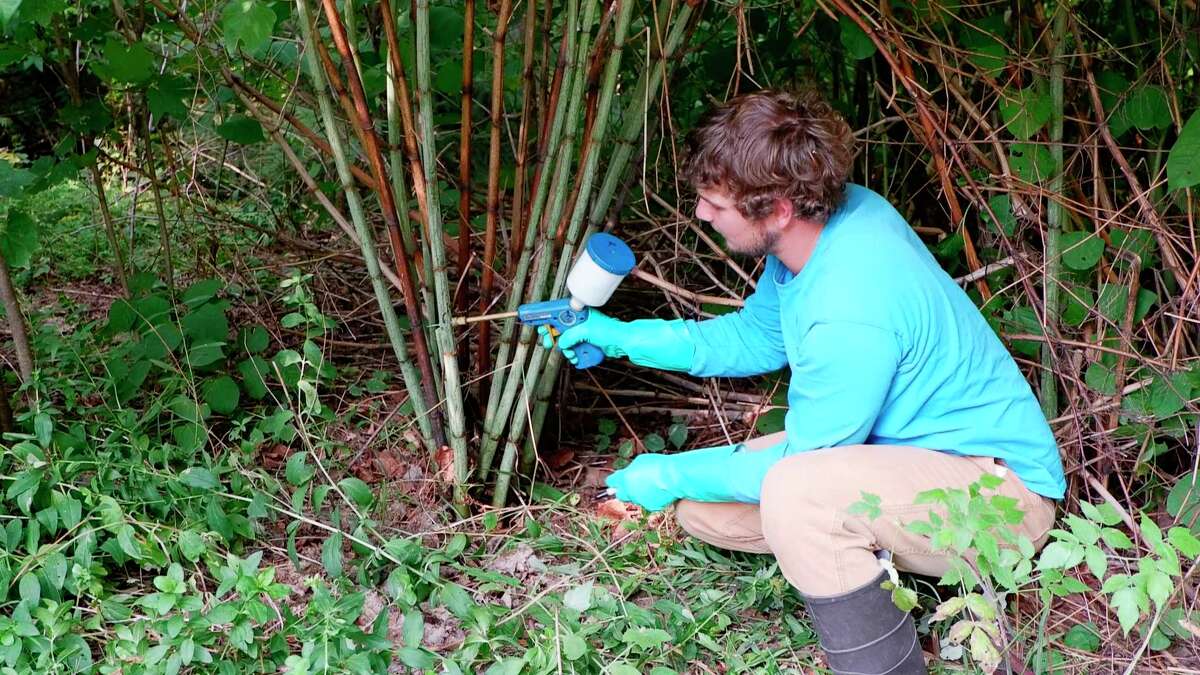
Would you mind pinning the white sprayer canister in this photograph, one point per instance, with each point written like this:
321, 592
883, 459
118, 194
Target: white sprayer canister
599, 270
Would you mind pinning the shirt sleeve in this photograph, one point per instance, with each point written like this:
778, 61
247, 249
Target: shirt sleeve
838, 389
743, 343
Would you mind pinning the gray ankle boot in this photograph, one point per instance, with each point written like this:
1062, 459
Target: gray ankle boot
864, 633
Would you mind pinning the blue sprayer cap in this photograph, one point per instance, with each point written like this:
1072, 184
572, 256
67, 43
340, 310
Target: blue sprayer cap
610, 253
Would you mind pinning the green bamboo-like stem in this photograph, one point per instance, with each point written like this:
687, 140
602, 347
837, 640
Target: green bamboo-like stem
634, 121
395, 135
1055, 215
164, 234
412, 379
635, 115
441, 287
464, 158
388, 209
493, 190
517, 219
574, 230
505, 369
350, 21
554, 190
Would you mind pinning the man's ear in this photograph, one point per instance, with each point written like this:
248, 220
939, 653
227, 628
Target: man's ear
781, 215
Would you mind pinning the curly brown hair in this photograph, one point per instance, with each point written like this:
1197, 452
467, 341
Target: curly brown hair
772, 145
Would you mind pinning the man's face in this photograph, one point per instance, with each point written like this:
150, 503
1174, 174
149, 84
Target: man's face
742, 235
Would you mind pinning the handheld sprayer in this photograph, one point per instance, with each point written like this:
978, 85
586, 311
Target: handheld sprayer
596, 273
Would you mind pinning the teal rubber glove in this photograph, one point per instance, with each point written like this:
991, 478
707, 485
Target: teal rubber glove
655, 343
726, 473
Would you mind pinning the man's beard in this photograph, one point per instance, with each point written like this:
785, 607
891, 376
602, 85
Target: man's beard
763, 244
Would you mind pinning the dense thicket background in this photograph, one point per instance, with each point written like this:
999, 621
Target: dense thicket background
243, 431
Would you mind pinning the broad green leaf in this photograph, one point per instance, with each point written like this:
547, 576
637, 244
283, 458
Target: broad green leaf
13, 179
414, 627
1081, 250
677, 434
30, 590
654, 443
206, 324
1148, 108
1159, 587
1006, 220
1032, 163
130, 64
168, 96
297, 471
204, 355
1183, 162
222, 395
456, 599
161, 340
1183, 502
1078, 303
771, 421
247, 24
1113, 86
857, 43
1126, 603
1084, 637
1026, 111
415, 657
241, 129
8, 9
331, 555
1184, 541
20, 238
199, 478
191, 545
357, 491
253, 371
579, 598
253, 339
645, 638
1116, 539
201, 292
982, 41
573, 646
1059, 555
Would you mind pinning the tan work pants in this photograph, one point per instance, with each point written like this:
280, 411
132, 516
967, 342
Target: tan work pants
804, 521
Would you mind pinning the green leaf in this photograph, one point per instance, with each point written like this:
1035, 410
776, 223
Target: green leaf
253, 370
1025, 112
1126, 603
579, 598
1079, 303
1032, 163
8, 9
131, 64
456, 599
248, 24
1084, 637
199, 478
168, 96
677, 434
201, 292
12, 178
222, 395
1112, 302
161, 340
771, 421
297, 471
1115, 539
1148, 108
357, 491
1006, 220
414, 627
857, 43
254, 339
331, 555
241, 129
30, 590
1113, 86
421, 659
1183, 540
204, 355
1183, 162
573, 646
191, 545
654, 443
1183, 502
206, 324
1159, 587
981, 40
1058, 555
1081, 250
20, 238
645, 638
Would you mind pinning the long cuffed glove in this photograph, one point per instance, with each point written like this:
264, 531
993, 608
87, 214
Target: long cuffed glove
726, 473
655, 343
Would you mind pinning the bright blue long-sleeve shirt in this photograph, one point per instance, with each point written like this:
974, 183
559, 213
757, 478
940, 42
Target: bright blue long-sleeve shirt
884, 349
